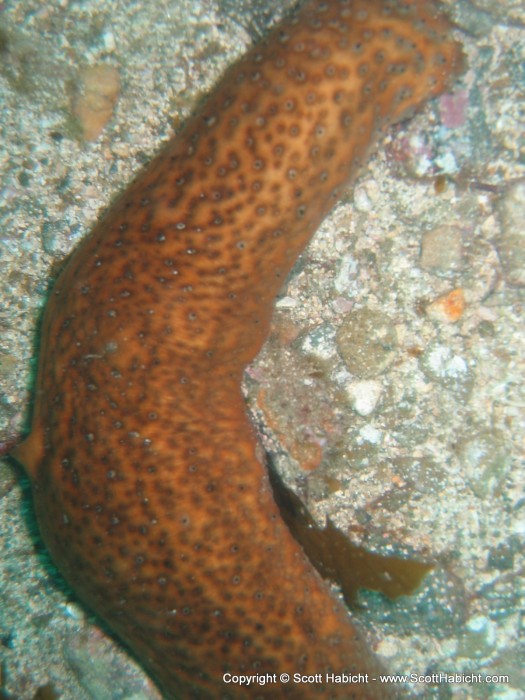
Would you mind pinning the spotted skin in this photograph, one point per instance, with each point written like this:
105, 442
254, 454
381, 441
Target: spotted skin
147, 483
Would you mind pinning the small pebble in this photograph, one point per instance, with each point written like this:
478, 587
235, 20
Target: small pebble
367, 342
94, 103
441, 364
346, 277
511, 244
486, 460
479, 638
370, 434
364, 396
442, 250
453, 109
447, 308
109, 41
319, 343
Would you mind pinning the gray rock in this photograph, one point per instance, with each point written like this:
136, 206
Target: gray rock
367, 342
442, 250
511, 244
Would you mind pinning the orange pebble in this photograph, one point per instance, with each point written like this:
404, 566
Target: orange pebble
448, 308
98, 92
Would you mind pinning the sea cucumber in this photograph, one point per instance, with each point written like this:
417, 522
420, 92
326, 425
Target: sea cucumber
147, 483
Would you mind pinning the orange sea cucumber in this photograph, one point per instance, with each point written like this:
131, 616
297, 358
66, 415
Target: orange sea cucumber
147, 483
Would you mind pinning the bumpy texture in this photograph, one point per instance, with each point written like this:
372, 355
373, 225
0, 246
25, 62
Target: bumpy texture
147, 484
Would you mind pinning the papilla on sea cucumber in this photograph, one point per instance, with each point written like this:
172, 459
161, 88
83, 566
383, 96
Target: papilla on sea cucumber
147, 483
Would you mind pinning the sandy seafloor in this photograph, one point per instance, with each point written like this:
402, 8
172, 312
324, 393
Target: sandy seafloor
410, 437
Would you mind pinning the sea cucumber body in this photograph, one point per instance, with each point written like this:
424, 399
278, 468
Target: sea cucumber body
147, 484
